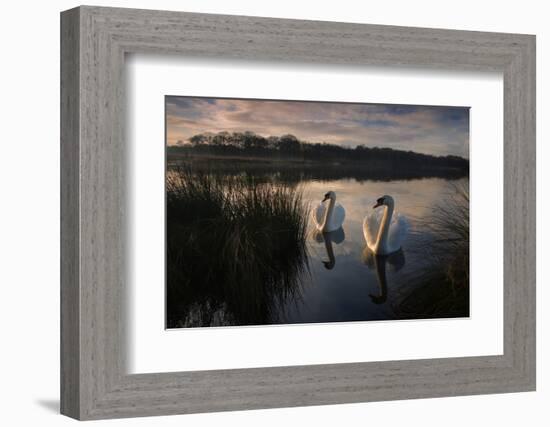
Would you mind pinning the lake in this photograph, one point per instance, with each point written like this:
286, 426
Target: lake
340, 280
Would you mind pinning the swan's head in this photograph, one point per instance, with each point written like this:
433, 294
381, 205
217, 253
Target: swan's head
384, 201
330, 195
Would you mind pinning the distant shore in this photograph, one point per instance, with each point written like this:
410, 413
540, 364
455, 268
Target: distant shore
296, 168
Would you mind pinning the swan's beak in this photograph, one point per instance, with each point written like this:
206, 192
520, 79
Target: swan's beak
326, 198
377, 205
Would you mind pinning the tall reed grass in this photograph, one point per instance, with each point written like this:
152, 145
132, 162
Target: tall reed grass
235, 248
444, 282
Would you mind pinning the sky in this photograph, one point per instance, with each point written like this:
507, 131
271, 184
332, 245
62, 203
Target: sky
424, 129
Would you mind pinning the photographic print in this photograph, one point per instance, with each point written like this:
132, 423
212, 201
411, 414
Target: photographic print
293, 212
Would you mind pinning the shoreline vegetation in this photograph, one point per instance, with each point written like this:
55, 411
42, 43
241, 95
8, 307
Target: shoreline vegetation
287, 152
444, 289
235, 249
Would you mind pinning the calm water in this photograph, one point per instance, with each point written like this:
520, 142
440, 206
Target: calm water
342, 281
353, 287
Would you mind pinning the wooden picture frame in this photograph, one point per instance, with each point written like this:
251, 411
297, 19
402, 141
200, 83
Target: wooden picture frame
94, 41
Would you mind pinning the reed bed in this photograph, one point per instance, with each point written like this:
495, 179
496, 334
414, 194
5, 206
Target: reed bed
444, 282
235, 248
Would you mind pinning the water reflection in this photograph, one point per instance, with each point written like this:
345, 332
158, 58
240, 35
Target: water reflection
337, 237
396, 261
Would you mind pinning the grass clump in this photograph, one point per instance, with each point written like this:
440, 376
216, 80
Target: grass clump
444, 283
235, 248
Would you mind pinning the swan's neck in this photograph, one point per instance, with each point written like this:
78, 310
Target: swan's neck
328, 216
382, 240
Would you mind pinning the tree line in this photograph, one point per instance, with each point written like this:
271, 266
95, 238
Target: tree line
289, 146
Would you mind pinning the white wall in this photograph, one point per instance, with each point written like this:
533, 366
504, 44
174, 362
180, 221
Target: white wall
29, 211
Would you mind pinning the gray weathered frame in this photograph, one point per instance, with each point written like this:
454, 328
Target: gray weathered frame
94, 42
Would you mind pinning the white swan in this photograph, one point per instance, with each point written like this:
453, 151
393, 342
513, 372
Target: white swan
385, 233
331, 218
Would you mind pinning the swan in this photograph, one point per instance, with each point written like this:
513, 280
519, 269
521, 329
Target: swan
331, 218
385, 233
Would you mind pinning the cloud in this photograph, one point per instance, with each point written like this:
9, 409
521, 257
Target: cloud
426, 129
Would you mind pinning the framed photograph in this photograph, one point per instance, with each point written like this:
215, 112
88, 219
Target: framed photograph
264, 227
262, 213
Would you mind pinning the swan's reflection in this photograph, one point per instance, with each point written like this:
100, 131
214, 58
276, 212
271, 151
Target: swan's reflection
396, 261
337, 237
